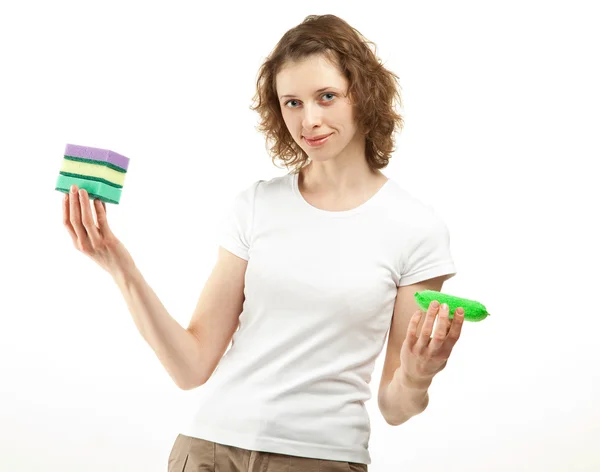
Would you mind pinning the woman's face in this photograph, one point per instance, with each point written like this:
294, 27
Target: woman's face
313, 103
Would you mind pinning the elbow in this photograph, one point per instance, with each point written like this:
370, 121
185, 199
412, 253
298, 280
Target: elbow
396, 421
403, 418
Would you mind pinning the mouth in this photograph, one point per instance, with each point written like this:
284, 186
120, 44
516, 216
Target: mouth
317, 140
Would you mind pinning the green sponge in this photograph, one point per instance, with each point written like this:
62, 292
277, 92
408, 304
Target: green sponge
474, 311
99, 171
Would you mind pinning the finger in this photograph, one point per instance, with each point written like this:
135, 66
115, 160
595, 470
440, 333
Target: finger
66, 221
413, 327
75, 218
427, 328
101, 218
442, 328
456, 327
88, 219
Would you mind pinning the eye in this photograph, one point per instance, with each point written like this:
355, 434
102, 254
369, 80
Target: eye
290, 101
327, 93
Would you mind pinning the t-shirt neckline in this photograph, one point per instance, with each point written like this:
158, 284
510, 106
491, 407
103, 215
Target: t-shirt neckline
337, 214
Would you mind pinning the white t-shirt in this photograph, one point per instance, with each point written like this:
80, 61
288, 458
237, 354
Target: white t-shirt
320, 288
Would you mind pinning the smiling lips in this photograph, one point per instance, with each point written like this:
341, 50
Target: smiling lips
317, 140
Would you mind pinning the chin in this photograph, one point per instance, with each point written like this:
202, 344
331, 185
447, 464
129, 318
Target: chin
319, 156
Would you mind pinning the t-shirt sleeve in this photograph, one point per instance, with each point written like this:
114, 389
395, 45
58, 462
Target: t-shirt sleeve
235, 228
429, 255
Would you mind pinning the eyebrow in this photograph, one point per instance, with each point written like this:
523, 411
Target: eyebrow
316, 91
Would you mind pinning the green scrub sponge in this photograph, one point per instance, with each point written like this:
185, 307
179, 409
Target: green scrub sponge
99, 171
474, 311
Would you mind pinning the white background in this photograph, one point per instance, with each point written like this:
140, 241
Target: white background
502, 109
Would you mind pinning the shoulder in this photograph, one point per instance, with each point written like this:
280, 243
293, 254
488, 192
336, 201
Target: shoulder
255, 192
263, 192
408, 210
263, 186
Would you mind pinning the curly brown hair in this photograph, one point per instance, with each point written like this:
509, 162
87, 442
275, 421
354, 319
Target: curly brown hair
373, 90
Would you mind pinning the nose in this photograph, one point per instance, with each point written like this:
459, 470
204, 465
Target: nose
312, 117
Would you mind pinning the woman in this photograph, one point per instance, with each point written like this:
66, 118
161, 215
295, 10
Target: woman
314, 268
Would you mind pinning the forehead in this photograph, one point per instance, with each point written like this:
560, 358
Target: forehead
308, 75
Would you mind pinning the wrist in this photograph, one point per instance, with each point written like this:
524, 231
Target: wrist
411, 382
122, 264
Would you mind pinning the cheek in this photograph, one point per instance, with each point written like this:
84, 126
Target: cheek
346, 116
289, 122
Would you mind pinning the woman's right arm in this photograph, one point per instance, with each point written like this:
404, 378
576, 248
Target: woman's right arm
178, 349
189, 355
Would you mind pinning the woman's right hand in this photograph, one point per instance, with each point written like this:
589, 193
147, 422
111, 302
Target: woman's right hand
94, 238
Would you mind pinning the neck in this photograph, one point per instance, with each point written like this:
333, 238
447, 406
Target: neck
345, 174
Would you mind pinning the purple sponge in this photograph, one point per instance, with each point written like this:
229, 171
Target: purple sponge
99, 171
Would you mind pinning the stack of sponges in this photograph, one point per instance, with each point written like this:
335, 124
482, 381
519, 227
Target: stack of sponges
99, 171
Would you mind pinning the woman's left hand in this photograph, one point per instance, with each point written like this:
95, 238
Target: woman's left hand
423, 356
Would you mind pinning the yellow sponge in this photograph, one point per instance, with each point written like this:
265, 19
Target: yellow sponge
99, 171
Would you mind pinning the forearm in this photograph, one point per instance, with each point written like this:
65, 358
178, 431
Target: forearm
403, 398
177, 349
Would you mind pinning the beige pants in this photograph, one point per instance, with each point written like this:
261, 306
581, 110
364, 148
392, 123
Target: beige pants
194, 454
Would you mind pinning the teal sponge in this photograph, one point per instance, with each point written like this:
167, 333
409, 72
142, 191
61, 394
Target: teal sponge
99, 171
